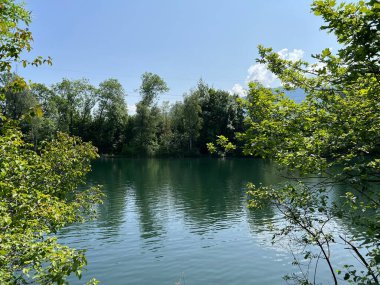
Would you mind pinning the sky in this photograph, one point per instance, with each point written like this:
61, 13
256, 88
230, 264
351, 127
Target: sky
180, 40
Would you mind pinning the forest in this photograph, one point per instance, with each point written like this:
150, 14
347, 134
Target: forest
99, 115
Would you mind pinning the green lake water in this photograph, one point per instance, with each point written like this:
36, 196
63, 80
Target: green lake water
180, 220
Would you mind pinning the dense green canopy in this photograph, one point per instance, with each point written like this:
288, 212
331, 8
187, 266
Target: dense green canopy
38, 186
332, 137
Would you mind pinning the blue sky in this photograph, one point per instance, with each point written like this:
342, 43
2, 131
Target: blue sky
180, 40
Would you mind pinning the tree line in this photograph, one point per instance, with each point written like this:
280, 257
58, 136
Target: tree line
100, 115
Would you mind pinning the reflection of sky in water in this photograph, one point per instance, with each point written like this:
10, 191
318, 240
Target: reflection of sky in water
167, 219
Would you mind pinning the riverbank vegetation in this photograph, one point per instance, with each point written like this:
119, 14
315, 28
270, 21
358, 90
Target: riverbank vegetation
331, 140
100, 115
38, 184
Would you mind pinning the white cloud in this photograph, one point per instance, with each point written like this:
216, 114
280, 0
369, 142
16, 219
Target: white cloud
239, 90
294, 55
260, 73
131, 109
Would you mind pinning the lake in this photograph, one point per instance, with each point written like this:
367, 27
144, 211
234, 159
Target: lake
185, 221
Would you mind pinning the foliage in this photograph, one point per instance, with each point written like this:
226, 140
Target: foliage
145, 123
221, 115
361, 42
38, 187
165, 132
151, 86
192, 120
187, 122
17, 100
74, 101
38, 197
333, 137
44, 125
99, 114
15, 36
224, 145
147, 114
111, 117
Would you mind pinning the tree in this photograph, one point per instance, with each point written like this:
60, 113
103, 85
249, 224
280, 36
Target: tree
17, 99
147, 113
192, 120
333, 135
38, 190
38, 197
166, 135
44, 126
15, 36
75, 100
179, 143
221, 115
45, 98
151, 86
110, 117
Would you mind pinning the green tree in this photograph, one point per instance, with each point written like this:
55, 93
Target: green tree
38, 190
45, 98
21, 104
192, 120
111, 117
221, 115
18, 101
75, 100
179, 142
147, 115
44, 123
151, 86
38, 197
333, 135
15, 36
165, 132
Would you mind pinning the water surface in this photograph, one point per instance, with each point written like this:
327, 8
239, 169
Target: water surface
180, 220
